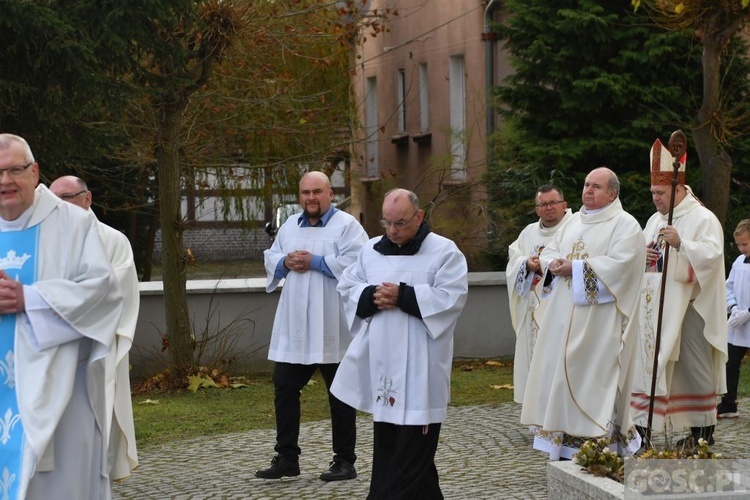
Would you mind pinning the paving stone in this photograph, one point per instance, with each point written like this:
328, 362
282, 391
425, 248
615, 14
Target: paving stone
484, 453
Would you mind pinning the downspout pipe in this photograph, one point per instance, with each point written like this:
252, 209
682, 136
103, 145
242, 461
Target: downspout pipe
489, 39
489, 67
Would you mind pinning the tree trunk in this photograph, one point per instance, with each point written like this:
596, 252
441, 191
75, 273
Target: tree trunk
714, 160
179, 334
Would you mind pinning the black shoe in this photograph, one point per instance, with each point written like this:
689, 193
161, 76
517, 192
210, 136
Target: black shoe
727, 409
697, 433
339, 471
280, 466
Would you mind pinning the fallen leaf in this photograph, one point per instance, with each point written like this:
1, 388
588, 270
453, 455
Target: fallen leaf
494, 363
504, 386
150, 402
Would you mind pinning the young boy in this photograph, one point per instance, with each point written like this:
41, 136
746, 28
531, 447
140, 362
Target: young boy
738, 302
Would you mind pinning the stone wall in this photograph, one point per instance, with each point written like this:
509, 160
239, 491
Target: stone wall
242, 309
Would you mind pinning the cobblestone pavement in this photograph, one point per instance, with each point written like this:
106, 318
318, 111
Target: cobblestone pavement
484, 453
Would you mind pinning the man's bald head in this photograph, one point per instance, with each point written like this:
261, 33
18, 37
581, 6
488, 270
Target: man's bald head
73, 190
401, 215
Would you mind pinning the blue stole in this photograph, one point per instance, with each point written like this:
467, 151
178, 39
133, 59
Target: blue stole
18, 252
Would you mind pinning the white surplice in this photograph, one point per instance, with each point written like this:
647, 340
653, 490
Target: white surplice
123, 455
695, 284
579, 380
398, 366
738, 284
310, 326
61, 342
526, 306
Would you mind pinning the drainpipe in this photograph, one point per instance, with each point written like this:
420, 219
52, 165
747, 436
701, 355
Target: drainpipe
489, 39
489, 66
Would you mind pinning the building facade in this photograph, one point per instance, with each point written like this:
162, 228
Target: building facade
422, 93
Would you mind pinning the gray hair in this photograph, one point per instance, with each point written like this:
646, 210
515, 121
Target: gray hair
6, 140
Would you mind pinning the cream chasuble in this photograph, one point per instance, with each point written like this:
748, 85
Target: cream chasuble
526, 306
61, 341
579, 380
122, 453
695, 277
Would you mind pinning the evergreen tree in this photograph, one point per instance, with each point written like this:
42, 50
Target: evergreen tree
594, 84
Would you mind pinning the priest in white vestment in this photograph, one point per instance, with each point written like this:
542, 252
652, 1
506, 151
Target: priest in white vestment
60, 306
693, 348
579, 381
522, 276
122, 452
310, 253
402, 297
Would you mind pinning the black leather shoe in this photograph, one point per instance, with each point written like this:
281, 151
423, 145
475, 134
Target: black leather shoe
697, 433
340, 470
280, 467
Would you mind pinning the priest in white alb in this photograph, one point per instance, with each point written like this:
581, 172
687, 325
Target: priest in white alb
522, 275
60, 307
402, 299
693, 345
122, 452
579, 381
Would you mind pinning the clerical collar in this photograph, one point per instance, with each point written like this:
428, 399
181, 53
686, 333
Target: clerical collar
387, 247
595, 210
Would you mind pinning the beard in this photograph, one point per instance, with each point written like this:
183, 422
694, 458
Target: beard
313, 214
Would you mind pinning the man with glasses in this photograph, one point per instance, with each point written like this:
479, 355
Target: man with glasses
123, 456
60, 306
402, 298
522, 275
579, 379
310, 252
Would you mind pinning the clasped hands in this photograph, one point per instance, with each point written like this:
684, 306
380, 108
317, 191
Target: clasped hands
561, 267
299, 261
11, 295
533, 264
386, 296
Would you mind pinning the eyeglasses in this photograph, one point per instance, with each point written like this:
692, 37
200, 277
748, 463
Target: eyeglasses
398, 224
69, 196
548, 204
15, 171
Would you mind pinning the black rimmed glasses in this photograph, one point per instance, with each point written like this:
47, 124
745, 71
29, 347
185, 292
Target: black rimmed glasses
70, 196
400, 224
15, 171
548, 204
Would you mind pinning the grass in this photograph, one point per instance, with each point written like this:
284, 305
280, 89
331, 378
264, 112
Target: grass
165, 417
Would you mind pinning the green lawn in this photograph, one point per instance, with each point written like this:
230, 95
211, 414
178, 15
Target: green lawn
164, 417
161, 418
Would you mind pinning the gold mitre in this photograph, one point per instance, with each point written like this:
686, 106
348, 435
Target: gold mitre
662, 166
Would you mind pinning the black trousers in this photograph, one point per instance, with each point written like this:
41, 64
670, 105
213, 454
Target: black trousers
288, 381
403, 462
736, 353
